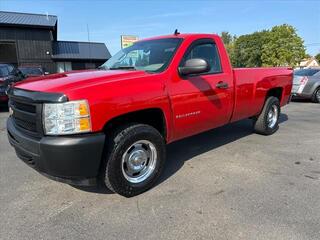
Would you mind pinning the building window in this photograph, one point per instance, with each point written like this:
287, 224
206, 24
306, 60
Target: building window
90, 65
78, 66
64, 67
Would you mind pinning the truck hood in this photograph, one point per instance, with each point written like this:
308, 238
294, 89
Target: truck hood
64, 82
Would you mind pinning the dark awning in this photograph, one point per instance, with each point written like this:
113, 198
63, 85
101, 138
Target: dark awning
80, 51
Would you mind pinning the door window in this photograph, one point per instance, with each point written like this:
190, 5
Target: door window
206, 51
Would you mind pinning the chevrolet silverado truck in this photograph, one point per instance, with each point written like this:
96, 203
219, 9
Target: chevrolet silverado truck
111, 125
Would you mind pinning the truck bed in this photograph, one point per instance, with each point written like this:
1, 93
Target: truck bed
252, 85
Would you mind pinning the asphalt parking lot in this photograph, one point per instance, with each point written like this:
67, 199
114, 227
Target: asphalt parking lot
224, 184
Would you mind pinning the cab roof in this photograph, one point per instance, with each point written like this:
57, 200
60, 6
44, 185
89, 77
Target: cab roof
182, 36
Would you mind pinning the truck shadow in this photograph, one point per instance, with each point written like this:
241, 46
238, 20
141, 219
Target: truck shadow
301, 100
181, 151
94, 189
184, 150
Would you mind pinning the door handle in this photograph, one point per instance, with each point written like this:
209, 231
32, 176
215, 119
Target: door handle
222, 85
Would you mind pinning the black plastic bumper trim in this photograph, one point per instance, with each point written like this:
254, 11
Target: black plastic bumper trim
71, 159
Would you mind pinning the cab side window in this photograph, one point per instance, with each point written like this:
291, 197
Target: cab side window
208, 52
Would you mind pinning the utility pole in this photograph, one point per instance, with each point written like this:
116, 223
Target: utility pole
89, 43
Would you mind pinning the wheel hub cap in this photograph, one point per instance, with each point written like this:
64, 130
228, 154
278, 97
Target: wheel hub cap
139, 161
318, 95
272, 116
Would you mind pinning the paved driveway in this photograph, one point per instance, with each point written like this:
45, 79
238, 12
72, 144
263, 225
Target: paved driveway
224, 184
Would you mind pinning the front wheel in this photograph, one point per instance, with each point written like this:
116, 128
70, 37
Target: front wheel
267, 122
134, 160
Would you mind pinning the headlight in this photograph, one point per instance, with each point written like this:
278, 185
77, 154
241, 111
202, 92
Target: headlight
66, 118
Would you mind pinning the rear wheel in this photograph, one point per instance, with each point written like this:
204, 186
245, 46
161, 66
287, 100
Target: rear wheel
316, 96
134, 160
267, 122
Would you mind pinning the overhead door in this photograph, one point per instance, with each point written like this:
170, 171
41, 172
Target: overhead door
8, 53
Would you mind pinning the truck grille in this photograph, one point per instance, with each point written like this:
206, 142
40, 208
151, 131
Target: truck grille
25, 115
27, 109
24, 107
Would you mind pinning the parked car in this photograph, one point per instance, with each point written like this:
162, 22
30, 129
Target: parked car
306, 84
8, 75
111, 125
32, 71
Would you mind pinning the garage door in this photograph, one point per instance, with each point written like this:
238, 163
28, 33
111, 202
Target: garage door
8, 53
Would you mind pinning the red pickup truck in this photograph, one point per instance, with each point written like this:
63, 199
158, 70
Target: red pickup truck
111, 125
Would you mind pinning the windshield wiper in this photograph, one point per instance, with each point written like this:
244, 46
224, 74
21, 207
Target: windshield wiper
123, 67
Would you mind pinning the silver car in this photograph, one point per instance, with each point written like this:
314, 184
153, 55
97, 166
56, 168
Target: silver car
306, 84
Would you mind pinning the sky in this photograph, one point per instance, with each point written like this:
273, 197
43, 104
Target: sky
108, 20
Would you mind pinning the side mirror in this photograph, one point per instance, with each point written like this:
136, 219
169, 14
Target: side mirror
194, 66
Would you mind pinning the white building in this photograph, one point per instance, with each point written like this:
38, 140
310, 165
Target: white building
309, 63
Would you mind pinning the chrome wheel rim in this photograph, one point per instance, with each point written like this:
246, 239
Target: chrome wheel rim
318, 95
272, 116
139, 161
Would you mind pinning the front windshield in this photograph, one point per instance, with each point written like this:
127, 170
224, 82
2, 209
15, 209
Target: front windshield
150, 55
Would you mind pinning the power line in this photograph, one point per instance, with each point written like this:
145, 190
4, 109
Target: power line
313, 44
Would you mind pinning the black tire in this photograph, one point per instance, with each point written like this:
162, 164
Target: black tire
120, 140
315, 99
261, 124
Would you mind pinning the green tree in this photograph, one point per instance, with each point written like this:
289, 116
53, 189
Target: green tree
226, 37
307, 56
229, 41
283, 47
318, 57
248, 49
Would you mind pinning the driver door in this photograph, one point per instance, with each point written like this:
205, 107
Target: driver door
201, 101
